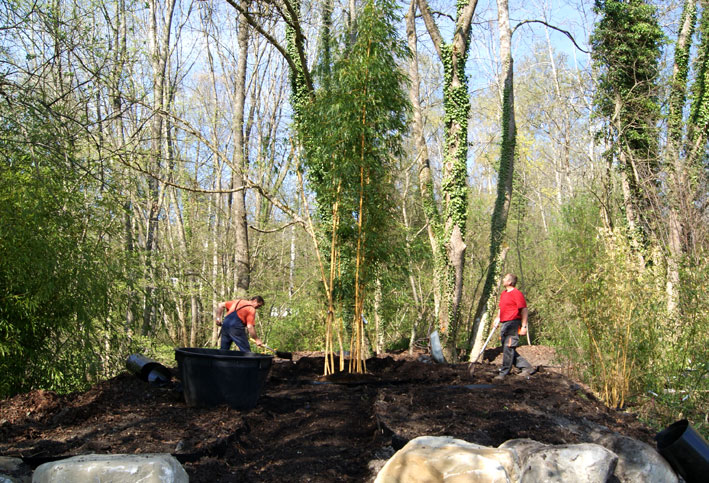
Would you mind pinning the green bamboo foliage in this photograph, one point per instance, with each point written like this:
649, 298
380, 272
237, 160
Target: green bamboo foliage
619, 337
57, 270
351, 133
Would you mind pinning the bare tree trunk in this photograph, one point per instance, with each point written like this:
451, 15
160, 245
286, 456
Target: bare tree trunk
159, 54
419, 306
118, 127
216, 207
379, 330
242, 274
425, 177
505, 176
214, 242
153, 166
182, 259
562, 166
291, 264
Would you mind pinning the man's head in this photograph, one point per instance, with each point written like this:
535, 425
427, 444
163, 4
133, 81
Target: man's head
510, 280
259, 300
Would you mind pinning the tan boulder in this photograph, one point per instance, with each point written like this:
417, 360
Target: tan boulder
445, 459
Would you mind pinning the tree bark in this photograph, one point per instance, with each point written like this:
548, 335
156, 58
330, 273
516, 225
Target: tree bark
425, 178
680, 206
505, 174
454, 190
159, 54
242, 265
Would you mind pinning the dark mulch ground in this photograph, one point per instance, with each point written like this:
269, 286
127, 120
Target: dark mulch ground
307, 427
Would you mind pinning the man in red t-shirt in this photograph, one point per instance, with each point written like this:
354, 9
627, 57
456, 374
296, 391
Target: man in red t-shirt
513, 316
238, 320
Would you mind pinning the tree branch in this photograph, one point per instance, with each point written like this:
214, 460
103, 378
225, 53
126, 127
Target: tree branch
464, 22
280, 228
22, 22
441, 14
299, 35
568, 34
431, 26
299, 41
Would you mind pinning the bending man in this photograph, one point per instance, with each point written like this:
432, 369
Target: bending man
238, 320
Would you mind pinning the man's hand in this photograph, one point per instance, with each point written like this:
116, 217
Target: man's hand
218, 322
523, 330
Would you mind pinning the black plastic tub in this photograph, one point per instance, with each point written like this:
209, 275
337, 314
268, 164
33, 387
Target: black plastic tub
211, 377
686, 450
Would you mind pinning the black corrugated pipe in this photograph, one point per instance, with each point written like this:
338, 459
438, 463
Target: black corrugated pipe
148, 369
686, 450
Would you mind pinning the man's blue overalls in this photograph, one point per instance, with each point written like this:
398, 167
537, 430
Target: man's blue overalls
234, 330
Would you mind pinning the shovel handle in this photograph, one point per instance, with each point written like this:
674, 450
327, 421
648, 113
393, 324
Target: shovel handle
485, 345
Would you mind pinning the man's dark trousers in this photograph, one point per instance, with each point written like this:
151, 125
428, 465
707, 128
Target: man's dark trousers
509, 337
234, 330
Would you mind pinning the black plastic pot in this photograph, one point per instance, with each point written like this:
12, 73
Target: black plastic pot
148, 369
211, 377
686, 451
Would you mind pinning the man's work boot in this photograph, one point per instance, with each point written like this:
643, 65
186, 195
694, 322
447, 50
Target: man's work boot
499, 377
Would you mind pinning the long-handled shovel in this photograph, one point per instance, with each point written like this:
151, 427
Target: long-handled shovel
280, 354
472, 362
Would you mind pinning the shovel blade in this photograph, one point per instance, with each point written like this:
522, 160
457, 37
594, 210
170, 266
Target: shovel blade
280, 354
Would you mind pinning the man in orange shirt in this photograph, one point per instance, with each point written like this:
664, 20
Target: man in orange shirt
238, 320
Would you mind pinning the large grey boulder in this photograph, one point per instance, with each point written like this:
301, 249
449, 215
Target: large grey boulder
638, 462
121, 468
581, 463
429, 459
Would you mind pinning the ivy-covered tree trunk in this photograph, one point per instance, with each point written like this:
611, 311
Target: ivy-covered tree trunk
328, 207
626, 50
505, 175
450, 248
680, 203
698, 125
685, 137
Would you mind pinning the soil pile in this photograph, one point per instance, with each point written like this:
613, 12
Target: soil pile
307, 427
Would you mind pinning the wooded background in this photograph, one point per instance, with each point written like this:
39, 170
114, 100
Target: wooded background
371, 168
